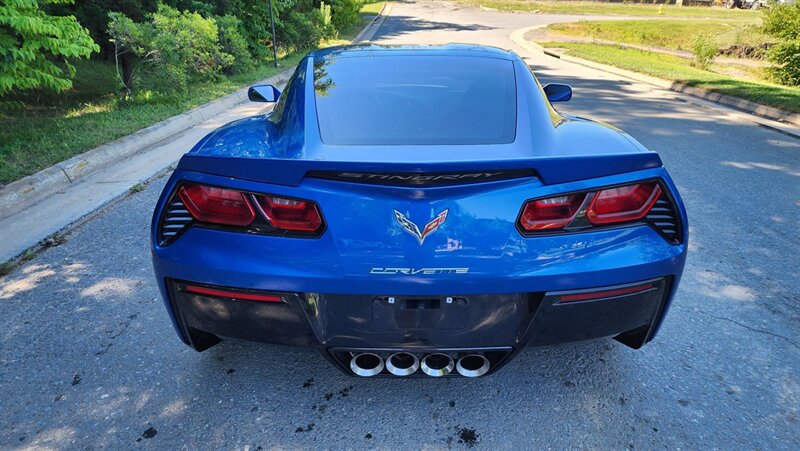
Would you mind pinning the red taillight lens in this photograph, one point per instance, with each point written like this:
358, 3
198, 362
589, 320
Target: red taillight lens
290, 214
551, 213
217, 205
624, 203
606, 293
218, 293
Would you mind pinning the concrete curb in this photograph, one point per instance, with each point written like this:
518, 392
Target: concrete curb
371, 28
743, 105
30, 190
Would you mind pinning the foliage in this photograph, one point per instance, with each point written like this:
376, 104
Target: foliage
173, 48
344, 13
36, 47
233, 42
93, 14
704, 48
782, 21
302, 30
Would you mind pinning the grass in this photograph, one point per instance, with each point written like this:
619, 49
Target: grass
578, 7
668, 33
51, 128
679, 69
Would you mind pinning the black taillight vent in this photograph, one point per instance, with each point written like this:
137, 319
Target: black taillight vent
175, 219
664, 218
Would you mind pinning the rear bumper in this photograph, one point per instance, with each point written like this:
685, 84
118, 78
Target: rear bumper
497, 325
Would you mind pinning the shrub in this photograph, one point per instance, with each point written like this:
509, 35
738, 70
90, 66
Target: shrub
782, 21
344, 13
704, 48
173, 48
35, 47
302, 30
233, 42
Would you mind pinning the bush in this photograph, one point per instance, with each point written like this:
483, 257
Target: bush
782, 21
704, 48
233, 42
302, 30
35, 47
173, 48
344, 13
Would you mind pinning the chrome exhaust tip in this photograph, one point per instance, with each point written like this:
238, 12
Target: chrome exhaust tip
402, 363
366, 364
472, 365
437, 365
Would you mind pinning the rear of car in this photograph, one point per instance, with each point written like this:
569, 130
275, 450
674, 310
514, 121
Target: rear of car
408, 211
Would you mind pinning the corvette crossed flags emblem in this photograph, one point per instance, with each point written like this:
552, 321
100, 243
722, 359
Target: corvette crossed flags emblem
412, 228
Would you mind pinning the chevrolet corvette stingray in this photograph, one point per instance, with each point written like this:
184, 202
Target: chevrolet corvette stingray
412, 211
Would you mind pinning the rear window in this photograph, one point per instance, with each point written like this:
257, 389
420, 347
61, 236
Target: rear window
415, 100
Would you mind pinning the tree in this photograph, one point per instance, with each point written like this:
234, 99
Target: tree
173, 48
35, 47
782, 21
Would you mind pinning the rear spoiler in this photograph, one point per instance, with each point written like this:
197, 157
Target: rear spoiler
550, 170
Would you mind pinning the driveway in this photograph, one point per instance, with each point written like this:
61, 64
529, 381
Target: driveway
88, 358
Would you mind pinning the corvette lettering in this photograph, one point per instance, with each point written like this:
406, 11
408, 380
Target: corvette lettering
418, 271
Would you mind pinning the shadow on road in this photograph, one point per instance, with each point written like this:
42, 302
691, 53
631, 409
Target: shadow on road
395, 26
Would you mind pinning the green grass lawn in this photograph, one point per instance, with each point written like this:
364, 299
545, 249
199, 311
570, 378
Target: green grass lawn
54, 127
679, 69
675, 34
51, 128
570, 7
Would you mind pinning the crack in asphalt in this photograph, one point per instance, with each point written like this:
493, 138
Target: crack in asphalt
750, 328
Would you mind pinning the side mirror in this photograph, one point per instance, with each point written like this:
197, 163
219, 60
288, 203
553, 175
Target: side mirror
263, 93
556, 92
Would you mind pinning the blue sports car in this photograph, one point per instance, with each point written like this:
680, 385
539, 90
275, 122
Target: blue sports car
416, 211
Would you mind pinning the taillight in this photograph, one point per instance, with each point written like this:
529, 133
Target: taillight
217, 205
263, 214
578, 211
623, 203
290, 214
230, 294
552, 213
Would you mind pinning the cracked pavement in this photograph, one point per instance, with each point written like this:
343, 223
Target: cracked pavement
88, 358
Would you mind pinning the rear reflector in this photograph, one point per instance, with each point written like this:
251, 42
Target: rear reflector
602, 294
551, 213
217, 205
623, 203
217, 293
290, 214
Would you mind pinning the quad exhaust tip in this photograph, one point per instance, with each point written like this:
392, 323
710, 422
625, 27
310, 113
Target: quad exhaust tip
402, 364
472, 365
366, 364
437, 365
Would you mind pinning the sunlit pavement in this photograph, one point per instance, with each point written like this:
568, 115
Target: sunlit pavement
88, 358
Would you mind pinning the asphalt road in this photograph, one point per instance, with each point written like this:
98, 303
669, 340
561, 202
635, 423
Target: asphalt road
88, 358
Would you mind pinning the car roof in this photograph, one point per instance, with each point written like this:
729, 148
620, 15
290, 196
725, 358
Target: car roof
371, 50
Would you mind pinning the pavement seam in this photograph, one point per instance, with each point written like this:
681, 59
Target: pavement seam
65, 174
